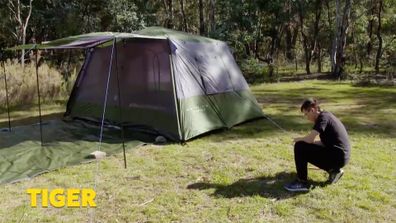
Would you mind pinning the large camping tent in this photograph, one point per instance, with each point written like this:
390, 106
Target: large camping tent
176, 84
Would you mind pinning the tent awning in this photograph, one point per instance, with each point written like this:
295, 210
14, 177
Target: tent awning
83, 41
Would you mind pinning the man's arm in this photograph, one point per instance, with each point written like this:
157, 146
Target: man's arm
318, 142
310, 138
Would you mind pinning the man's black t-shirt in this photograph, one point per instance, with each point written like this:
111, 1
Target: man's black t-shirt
332, 133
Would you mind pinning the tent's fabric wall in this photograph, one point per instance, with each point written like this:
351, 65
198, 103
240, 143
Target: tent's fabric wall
211, 89
146, 88
200, 114
205, 68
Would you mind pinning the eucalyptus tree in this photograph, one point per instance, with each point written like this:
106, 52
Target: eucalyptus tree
20, 13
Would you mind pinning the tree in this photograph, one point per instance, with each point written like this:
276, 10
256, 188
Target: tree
201, 18
212, 15
342, 24
17, 10
123, 14
370, 27
379, 37
168, 5
291, 31
183, 14
315, 44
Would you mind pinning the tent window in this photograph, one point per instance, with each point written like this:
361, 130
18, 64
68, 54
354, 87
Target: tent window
154, 83
154, 74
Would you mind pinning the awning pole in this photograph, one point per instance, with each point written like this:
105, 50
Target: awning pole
119, 106
39, 99
8, 105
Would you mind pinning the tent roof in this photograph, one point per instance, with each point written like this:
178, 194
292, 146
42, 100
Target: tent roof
98, 38
83, 41
156, 31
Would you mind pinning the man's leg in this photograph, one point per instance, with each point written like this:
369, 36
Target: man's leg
325, 158
304, 153
320, 156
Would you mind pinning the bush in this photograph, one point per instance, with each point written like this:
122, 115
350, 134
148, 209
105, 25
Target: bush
256, 71
22, 83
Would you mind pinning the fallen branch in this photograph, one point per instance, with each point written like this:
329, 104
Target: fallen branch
149, 201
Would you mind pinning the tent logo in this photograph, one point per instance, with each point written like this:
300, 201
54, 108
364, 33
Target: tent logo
60, 197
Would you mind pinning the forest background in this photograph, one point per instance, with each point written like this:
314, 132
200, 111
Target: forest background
271, 40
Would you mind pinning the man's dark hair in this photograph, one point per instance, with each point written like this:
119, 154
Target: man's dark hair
310, 103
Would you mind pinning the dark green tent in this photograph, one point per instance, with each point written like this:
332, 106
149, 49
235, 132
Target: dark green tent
176, 84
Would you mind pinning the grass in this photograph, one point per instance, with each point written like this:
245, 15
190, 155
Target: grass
237, 175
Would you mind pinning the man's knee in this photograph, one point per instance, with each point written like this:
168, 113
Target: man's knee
299, 146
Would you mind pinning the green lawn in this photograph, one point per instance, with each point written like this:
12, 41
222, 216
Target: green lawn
238, 175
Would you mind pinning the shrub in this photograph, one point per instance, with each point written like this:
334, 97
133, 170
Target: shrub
256, 71
22, 83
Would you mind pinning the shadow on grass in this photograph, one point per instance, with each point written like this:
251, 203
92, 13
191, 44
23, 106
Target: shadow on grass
267, 186
361, 109
32, 106
31, 120
284, 124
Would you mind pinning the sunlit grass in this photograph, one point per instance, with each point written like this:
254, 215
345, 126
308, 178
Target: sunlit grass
238, 175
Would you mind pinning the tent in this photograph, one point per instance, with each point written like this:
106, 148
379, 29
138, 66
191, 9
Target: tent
173, 83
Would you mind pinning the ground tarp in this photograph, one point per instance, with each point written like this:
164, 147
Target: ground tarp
22, 156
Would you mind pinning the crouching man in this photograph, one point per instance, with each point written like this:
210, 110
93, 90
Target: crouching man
331, 153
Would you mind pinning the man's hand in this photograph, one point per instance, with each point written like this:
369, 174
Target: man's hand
318, 142
310, 138
297, 139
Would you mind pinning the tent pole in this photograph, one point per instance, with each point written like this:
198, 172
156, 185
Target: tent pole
39, 100
8, 105
106, 95
119, 104
177, 105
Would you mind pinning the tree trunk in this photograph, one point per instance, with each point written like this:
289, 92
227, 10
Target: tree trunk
16, 13
370, 29
354, 51
201, 19
340, 40
247, 49
333, 57
258, 34
379, 37
319, 60
184, 21
288, 28
307, 51
361, 65
212, 15
291, 33
288, 40
275, 41
23, 50
170, 23
330, 25
169, 13
314, 44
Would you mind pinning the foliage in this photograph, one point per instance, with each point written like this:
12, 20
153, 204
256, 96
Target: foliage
253, 70
123, 16
267, 35
256, 72
22, 86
